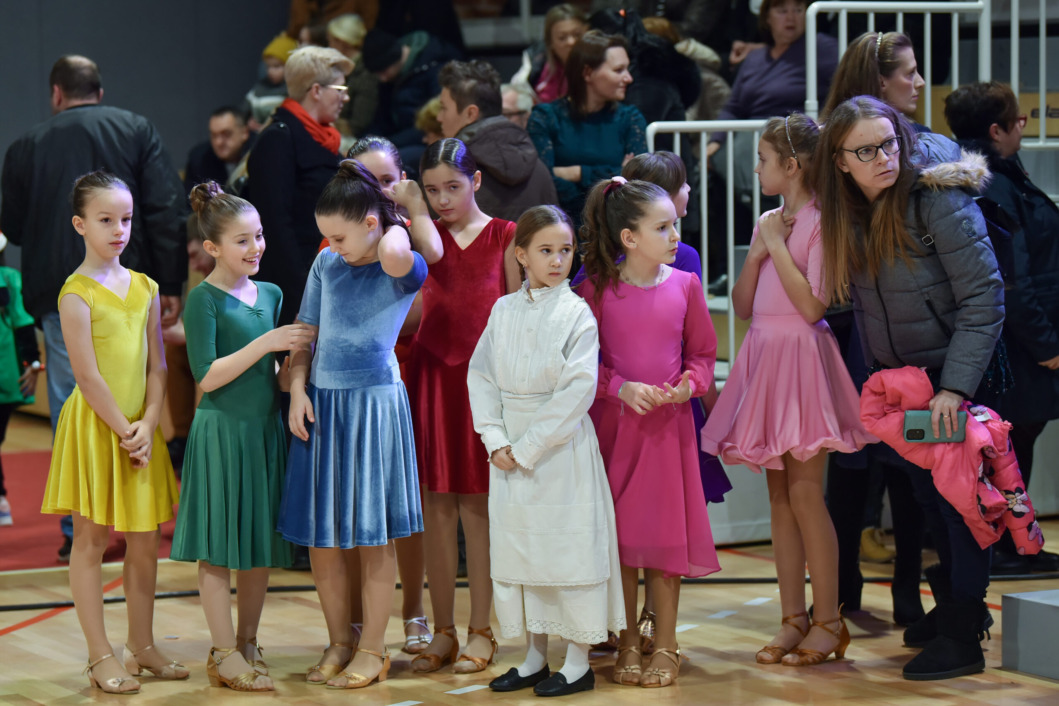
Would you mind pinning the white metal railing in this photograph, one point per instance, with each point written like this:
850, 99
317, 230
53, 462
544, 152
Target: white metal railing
982, 8
704, 128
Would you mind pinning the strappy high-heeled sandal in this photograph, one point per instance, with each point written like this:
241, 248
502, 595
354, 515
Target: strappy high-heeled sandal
630, 674
174, 670
478, 662
772, 654
258, 663
241, 682
434, 662
359, 681
646, 628
328, 671
805, 657
664, 677
416, 644
109, 686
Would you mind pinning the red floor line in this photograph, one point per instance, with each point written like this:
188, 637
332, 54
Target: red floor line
53, 612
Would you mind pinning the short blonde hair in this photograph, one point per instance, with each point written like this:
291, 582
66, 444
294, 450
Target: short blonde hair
310, 65
427, 116
349, 28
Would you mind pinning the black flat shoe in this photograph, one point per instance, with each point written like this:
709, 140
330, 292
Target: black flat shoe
1044, 563
556, 685
511, 681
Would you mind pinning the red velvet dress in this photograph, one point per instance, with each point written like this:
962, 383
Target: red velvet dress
458, 295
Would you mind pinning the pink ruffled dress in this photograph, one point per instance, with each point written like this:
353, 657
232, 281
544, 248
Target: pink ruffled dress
789, 389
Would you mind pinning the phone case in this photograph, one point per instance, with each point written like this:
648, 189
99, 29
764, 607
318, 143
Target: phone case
918, 431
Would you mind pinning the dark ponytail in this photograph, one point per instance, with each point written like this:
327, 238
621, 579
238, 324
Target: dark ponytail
611, 207
354, 193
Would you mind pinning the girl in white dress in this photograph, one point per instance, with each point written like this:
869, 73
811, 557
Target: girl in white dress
553, 547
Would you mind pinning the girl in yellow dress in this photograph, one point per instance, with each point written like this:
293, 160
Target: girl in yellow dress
110, 466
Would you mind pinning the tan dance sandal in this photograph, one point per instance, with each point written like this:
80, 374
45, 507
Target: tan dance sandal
416, 643
804, 657
427, 662
646, 628
630, 674
359, 681
772, 654
328, 671
173, 670
242, 682
109, 686
258, 663
654, 678
479, 664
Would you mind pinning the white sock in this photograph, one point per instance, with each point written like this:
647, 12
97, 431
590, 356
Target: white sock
576, 663
536, 654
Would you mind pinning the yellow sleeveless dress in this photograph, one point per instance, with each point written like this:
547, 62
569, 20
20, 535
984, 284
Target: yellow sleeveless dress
91, 474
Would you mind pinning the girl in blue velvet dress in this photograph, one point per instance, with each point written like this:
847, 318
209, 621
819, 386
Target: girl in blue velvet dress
351, 477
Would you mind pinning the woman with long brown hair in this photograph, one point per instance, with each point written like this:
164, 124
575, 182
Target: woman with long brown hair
909, 248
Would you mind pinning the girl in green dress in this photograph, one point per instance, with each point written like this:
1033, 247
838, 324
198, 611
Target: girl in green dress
236, 450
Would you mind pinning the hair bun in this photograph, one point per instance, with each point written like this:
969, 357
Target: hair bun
202, 194
350, 169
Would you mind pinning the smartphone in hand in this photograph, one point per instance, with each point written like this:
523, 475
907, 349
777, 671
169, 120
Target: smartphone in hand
917, 428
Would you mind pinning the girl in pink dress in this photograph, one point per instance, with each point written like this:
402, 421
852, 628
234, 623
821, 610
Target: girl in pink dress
789, 399
657, 351
478, 268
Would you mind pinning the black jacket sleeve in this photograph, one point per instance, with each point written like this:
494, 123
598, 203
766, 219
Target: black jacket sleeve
162, 205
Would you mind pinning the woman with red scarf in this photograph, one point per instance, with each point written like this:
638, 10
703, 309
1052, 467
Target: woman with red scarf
291, 162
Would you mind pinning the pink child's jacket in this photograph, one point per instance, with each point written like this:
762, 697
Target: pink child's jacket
979, 477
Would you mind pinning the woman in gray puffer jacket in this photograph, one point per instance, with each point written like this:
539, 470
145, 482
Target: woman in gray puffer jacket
911, 250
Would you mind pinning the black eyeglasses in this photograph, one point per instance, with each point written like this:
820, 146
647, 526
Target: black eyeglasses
868, 153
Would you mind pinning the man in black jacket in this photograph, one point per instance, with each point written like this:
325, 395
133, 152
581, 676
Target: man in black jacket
216, 158
39, 171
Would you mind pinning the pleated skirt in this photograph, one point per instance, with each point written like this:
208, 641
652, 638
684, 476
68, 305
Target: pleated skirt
230, 492
354, 482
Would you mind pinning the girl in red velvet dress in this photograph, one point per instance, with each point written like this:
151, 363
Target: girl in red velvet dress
478, 268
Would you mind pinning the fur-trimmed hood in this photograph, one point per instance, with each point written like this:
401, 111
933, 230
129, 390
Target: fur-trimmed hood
970, 172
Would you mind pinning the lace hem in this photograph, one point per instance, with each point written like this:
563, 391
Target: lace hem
548, 627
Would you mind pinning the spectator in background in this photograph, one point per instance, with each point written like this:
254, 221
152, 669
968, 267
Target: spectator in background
427, 121
346, 34
542, 64
270, 91
403, 17
665, 82
313, 36
771, 81
408, 69
216, 158
293, 160
516, 102
513, 176
36, 214
883, 65
985, 118
715, 90
590, 134
317, 13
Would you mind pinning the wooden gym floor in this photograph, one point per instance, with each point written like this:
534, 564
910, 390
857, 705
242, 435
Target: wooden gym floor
722, 625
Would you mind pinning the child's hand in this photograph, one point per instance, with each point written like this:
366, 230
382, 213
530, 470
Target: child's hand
641, 396
682, 392
758, 250
774, 228
301, 409
503, 459
138, 441
407, 194
283, 374
289, 337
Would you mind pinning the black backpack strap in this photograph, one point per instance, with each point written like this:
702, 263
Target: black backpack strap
926, 237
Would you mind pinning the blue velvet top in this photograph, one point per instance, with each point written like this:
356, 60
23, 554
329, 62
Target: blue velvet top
360, 311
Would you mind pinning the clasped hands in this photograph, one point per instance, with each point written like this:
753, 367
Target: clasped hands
138, 441
503, 459
643, 397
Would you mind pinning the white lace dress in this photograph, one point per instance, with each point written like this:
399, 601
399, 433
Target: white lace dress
553, 547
